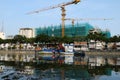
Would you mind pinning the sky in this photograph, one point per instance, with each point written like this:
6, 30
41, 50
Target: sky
13, 14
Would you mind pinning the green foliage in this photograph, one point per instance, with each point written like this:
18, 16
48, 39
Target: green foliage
19, 38
115, 39
42, 38
1, 40
67, 39
97, 37
30, 40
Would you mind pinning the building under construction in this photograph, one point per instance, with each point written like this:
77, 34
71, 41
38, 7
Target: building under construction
78, 29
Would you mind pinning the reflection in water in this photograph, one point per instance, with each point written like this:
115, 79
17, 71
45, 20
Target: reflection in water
68, 59
73, 73
68, 73
58, 74
113, 76
18, 57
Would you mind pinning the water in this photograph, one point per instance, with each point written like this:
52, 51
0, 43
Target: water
98, 59
57, 74
113, 76
70, 73
76, 75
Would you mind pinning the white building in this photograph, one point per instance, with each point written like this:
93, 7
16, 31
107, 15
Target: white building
2, 35
9, 37
69, 47
27, 32
95, 30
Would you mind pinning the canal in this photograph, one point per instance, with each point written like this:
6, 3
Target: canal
94, 66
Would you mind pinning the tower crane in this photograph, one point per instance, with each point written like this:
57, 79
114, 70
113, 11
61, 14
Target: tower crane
85, 19
62, 6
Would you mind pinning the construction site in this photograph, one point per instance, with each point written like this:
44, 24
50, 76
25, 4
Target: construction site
77, 50
79, 29
70, 30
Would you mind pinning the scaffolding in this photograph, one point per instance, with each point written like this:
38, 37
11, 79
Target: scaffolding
79, 29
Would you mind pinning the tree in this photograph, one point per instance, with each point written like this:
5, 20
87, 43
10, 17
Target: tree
7, 41
19, 38
1, 40
55, 39
30, 40
66, 39
42, 38
114, 39
96, 37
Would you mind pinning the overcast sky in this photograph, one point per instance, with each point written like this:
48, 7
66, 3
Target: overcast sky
13, 14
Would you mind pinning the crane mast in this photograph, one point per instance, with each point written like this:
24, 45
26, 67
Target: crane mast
63, 14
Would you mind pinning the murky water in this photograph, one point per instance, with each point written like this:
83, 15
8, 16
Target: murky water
68, 74
68, 59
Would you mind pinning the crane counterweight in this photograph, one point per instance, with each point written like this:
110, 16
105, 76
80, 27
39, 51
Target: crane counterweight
76, 1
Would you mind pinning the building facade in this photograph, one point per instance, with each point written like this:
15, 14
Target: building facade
71, 31
98, 30
79, 29
2, 35
27, 32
